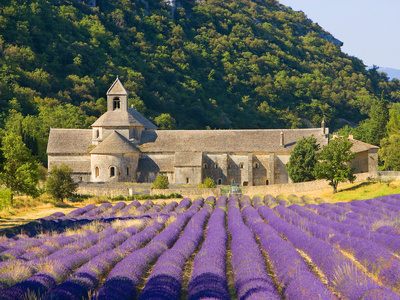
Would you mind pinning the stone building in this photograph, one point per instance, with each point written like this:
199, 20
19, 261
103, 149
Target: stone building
125, 146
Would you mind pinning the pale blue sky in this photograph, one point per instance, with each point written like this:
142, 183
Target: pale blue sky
369, 29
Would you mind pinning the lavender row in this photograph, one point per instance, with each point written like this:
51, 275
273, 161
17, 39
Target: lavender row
165, 281
293, 275
251, 278
126, 275
340, 272
390, 242
87, 278
208, 278
367, 253
62, 264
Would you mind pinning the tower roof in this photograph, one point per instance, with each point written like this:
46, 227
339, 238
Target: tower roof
115, 143
120, 118
117, 88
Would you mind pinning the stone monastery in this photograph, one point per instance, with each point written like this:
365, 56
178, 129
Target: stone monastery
125, 146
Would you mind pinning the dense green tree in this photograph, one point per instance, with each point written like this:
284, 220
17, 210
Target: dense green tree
161, 182
165, 122
389, 152
373, 130
333, 162
60, 184
207, 183
303, 159
20, 170
222, 64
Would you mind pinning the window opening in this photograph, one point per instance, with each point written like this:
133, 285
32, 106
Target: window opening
112, 172
116, 103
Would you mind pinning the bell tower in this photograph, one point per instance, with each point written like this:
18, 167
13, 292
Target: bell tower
117, 97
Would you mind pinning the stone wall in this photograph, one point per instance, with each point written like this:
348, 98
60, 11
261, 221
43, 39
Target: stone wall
293, 188
106, 191
189, 192
275, 189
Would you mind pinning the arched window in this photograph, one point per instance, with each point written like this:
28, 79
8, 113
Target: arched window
116, 103
127, 171
233, 181
96, 172
216, 165
266, 181
187, 179
256, 165
241, 165
205, 166
219, 181
112, 172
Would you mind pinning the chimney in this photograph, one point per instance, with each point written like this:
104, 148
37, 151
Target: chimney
351, 137
282, 139
323, 127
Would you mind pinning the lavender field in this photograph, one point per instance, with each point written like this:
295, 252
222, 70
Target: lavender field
260, 248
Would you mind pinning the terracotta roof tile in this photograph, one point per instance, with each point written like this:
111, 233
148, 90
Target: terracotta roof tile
359, 146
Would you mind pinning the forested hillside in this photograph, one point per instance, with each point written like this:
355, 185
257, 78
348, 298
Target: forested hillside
212, 64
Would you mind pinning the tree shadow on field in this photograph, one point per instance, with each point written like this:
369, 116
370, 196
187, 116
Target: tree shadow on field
357, 186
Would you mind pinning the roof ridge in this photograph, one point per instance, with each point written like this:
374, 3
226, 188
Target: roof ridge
114, 84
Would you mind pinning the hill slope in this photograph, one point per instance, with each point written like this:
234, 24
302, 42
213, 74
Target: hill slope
222, 64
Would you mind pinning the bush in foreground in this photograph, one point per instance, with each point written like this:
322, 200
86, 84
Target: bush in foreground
60, 184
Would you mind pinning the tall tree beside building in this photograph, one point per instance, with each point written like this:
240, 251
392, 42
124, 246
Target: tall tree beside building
303, 160
20, 170
373, 130
333, 162
389, 153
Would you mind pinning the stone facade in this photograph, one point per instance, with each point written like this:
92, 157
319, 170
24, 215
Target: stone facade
124, 146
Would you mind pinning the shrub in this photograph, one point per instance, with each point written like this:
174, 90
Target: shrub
5, 198
161, 182
207, 184
60, 184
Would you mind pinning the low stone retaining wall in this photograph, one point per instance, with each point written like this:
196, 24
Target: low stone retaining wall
274, 189
98, 191
189, 192
293, 188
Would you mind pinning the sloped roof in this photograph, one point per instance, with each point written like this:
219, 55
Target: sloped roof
161, 164
359, 146
76, 166
188, 159
115, 143
121, 118
267, 140
117, 88
72, 141
142, 120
